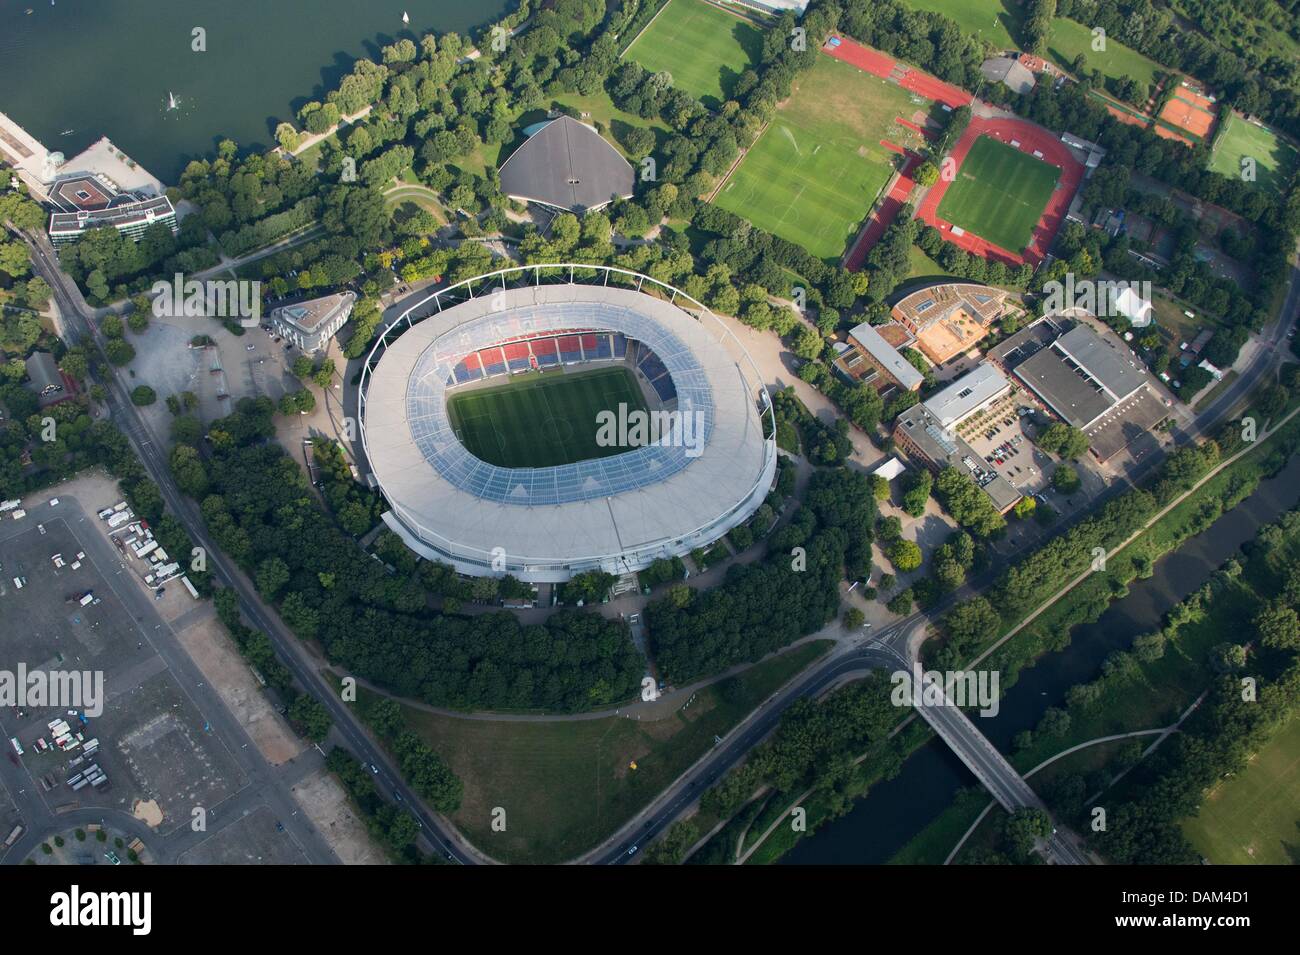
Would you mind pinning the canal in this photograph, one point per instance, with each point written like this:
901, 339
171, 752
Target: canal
892, 813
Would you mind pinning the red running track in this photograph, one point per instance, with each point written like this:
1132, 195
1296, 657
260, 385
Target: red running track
914, 81
884, 215
1031, 138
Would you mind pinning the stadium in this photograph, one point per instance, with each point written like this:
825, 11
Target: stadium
479, 410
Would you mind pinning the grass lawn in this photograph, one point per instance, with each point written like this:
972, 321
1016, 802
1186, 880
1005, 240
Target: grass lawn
402, 199
999, 194
599, 110
542, 419
1254, 817
566, 785
817, 169
922, 265
1069, 38
1275, 158
704, 48
996, 21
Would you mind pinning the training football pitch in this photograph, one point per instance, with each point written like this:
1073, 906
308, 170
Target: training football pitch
542, 419
999, 193
1275, 158
704, 48
814, 174
1253, 817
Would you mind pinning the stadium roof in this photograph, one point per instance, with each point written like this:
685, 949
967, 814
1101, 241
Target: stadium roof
893, 363
567, 165
966, 394
654, 501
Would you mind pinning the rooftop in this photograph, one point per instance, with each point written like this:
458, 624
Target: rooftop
944, 447
966, 394
308, 316
567, 165
887, 356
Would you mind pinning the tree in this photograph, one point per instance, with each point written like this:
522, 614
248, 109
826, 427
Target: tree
854, 618
1064, 441
1025, 827
927, 174
143, 395
1025, 507
905, 555
901, 603
311, 717
918, 492
119, 352
1065, 479
879, 487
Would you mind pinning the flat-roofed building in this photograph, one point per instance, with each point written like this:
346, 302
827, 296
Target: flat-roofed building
869, 357
310, 325
970, 393
919, 433
949, 319
1081, 376
90, 203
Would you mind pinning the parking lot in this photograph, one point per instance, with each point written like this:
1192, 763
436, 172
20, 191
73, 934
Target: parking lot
1000, 434
257, 838
153, 745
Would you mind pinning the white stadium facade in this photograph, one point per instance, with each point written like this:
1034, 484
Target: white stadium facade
616, 513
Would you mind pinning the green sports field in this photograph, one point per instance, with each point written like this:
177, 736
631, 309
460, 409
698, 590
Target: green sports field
1069, 38
542, 419
704, 48
999, 193
814, 174
1254, 817
997, 21
1275, 158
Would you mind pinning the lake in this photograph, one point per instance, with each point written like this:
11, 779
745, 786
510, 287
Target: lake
106, 67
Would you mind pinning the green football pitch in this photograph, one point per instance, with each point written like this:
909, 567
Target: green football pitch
814, 174
1275, 158
1253, 818
999, 193
705, 49
542, 419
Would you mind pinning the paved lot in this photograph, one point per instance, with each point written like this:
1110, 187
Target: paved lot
167, 743
251, 840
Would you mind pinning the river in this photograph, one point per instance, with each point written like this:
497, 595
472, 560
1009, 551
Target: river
892, 813
105, 67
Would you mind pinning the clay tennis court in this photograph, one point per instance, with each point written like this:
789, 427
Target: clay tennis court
1191, 111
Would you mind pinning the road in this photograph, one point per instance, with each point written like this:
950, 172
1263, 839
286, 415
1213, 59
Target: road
683, 793
891, 644
437, 833
265, 783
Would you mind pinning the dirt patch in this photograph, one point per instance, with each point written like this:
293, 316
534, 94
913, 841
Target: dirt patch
148, 812
327, 806
212, 650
